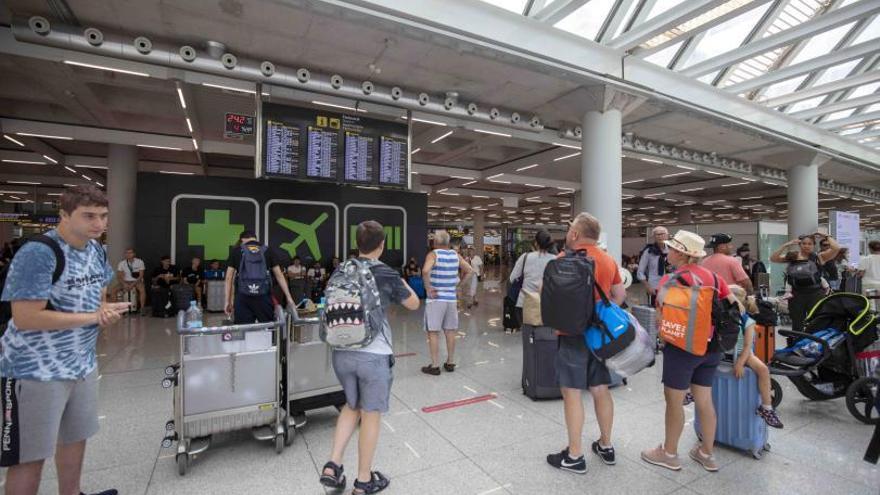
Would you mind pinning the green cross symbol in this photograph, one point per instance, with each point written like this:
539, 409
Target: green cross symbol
216, 235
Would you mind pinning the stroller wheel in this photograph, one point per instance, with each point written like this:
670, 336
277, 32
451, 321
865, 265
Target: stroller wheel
861, 397
775, 393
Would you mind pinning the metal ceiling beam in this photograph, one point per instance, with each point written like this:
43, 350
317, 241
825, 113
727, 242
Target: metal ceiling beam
760, 27
864, 65
836, 107
812, 92
664, 22
855, 119
794, 34
865, 134
614, 19
814, 64
702, 28
558, 10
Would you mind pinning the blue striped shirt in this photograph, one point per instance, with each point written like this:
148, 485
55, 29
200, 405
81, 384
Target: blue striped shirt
444, 275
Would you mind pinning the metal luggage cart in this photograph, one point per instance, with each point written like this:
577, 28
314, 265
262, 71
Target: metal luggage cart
228, 378
310, 382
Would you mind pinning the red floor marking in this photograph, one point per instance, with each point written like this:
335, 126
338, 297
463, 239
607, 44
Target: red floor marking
407, 354
458, 403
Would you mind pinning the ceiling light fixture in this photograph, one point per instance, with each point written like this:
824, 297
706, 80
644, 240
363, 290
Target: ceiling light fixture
229, 88
195, 144
493, 133
480, 196
182, 100
159, 147
334, 105
413, 152
44, 136
535, 185
527, 167
651, 160
189, 125
500, 181
24, 182
633, 181
86, 177
47, 157
111, 69
442, 137
172, 172
462, 177
567, 145
99, 184
674, 175
425, 121
16, 141
86, 165
735, 184
685, 167
469, 183
692, 189
450, 194
713, 173
70, 169
24, 162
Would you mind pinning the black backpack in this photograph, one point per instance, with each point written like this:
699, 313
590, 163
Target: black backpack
60, 262
567, 294
804, 274
726, 320
253, 274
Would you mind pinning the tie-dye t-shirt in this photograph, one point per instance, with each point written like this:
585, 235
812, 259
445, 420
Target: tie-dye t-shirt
57, 354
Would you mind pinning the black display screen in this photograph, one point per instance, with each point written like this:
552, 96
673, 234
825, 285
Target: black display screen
314, 144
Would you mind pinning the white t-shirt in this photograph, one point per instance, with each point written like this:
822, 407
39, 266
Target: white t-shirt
137, 265
296, 271
871, 265
477, 265
316, 273
531, 267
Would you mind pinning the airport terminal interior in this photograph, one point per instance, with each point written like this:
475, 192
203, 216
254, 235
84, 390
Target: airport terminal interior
486, 127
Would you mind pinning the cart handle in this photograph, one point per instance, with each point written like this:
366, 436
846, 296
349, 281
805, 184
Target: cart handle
296, 320
215, 330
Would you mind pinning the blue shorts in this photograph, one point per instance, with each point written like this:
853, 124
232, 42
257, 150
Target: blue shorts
365, 378
681, 368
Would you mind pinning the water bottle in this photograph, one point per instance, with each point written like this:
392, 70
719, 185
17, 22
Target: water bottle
193, 316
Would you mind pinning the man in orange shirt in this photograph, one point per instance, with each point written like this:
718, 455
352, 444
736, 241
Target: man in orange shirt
576, 368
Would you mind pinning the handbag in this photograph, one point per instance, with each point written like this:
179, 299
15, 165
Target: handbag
532, 308
612, 330
517, 283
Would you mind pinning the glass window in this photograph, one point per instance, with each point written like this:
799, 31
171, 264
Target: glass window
864, 90
870, 32
840, 115
727, 36
836, 73
626, 18
708, 78
821, 44
807, 104
511, 5
854, 130
783, 87
664, 56
587, 20
873, 108
662, 6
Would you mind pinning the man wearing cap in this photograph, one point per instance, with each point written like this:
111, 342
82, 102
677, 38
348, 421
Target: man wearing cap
652, 263
724, 264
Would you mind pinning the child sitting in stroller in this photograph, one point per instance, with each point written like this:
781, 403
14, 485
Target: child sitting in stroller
746, 356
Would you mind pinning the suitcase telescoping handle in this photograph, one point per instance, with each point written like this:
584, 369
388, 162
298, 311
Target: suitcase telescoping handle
221, 329
297, 320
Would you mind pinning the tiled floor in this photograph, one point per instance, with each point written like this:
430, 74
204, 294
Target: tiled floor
490, 447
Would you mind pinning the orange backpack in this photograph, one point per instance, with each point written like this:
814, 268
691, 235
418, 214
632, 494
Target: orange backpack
686, 314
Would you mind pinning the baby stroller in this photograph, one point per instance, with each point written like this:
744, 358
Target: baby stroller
829, 360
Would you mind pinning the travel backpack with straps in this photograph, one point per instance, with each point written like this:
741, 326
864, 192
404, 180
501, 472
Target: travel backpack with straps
567, 292
253, 273
60, 263
611, 331
351, 295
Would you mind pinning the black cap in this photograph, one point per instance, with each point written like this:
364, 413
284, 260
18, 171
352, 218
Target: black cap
247, 234
717, 239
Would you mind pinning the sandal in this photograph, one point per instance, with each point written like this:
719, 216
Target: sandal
449, 367
377, 483
337, 480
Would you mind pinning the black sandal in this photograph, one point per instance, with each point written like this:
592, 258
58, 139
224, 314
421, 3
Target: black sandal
337, 480
450, 367
377, 483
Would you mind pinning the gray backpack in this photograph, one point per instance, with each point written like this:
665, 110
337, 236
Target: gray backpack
351, 296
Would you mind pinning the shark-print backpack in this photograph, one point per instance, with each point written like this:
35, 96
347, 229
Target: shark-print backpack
350, 296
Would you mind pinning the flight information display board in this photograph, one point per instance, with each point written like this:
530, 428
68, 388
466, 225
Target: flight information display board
313, 144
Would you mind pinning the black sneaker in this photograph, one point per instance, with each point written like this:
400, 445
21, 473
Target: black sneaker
566, 463
607, 455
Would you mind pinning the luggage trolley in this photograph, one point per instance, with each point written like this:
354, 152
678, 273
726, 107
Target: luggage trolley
228, 378
309, 379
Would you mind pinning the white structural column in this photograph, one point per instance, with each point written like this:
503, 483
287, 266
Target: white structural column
601, 163
479, 232
803, 198
121, 187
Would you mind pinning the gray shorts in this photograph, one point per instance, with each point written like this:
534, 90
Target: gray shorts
38, 415
441, 316
576, 367
366, 379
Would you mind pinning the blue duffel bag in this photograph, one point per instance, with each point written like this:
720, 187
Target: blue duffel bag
611, 331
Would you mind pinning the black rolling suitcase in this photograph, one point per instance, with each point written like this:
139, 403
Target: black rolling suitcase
181, 295
160, 298
538, 371
511, 317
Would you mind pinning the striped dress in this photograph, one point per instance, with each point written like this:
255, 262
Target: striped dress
444, 275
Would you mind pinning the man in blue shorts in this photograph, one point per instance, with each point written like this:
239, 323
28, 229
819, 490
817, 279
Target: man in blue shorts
365, 373
47, 361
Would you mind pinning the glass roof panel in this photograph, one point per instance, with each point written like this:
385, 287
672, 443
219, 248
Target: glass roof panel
854, 130
864, 90
626, 18
783, 87
511, 5
708, 78
664, 56
840, 115
821, 44
873, 108
662, 6
836, 73
870, 32
727, 36
807, 104
587, 20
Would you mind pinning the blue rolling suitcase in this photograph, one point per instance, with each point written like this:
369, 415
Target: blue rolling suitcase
735, 404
